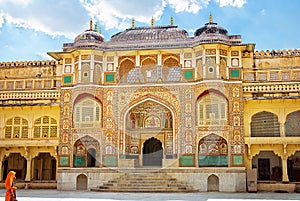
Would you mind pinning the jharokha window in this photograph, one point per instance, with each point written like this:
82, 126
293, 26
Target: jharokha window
45, 127
16, 127
88, 114
212, 110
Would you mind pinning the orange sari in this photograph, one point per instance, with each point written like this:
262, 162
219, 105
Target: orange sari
11, 190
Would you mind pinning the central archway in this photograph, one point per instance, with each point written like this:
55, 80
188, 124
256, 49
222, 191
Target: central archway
152, 152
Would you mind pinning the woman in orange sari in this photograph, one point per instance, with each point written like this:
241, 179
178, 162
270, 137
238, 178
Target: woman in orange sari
9, 184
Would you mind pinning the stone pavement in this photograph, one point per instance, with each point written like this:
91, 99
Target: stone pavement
54, 195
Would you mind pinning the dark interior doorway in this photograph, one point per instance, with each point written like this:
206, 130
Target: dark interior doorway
263, 169
152, 152
91, 157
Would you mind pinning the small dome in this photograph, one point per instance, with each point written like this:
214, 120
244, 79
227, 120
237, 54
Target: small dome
211, 28
154, 33
89, 36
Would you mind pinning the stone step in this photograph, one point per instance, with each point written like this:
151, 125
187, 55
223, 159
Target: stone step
144, 182
152, 190
145, 179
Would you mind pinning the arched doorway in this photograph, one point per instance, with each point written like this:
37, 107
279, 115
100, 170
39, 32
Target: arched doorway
17, 163
213, 183
152, 152
44, 167
86, 152
269, 167
81, 182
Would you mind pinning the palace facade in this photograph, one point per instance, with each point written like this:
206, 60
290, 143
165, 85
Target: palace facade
203, 109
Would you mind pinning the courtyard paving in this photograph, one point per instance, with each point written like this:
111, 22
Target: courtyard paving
54, 195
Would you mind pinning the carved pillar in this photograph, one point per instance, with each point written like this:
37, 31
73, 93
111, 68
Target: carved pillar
28, 159
282, 131
285, 177
28, 170
249, 158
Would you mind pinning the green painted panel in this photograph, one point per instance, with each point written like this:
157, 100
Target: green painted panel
188, 75
238, 160
187, 161
110, 161
109, 77
68, 79
235, 73
213, 160
223, 160
203, 161
79, 161
63, 161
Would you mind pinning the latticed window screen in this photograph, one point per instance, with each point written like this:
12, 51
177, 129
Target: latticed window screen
45, 127
88, 114
265, 124
16, 127
212, 110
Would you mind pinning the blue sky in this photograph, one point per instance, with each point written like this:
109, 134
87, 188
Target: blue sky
31, 28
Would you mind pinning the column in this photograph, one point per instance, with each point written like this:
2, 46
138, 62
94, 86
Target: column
79, 69
159, 59
218, 63
282, 133
92, 69
28, 170
137, 59
285, 177
249, 158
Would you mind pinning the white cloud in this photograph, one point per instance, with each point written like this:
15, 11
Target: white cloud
54, 18
118, 13
62, 18
190, 6
233, 3
19, 2
1, 19
44, 56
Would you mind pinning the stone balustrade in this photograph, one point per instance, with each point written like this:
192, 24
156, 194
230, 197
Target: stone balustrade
273, 53
271, 87
28, 63
29, 95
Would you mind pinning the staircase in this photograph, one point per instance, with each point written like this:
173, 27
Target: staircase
144, 182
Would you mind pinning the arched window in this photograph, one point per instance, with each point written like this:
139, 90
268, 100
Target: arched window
223, 66
88, 114
199, 69
86, 152
125, 67
148, 61
265, 124
213, 151
171, 62
16, 127
292, 124
45, 127
212, 110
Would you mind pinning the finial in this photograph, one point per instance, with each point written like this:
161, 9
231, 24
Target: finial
91, 24
100, 31
96, 27
171, 21
152, 21
210, 18
132, 23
